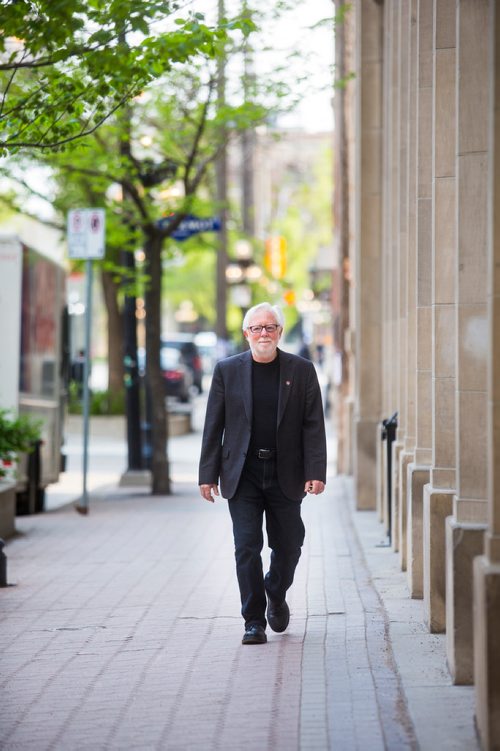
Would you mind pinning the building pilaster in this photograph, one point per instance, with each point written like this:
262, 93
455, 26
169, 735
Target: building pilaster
438, 495
407, 455
368, 220
465, 529
487, 568
418, 471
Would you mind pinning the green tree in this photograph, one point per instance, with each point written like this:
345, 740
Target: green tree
160, 151
64, 68
160, 171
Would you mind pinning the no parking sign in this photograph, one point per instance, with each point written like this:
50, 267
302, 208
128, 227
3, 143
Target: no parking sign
86, 241
86, 233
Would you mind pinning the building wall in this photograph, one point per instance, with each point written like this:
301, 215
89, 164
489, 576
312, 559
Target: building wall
425, 329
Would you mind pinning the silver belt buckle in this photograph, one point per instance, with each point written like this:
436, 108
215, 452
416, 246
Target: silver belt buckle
265, 453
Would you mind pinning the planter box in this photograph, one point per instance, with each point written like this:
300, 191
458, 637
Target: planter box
7, 508
179, 423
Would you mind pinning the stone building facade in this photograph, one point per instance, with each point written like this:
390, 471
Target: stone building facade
421, 154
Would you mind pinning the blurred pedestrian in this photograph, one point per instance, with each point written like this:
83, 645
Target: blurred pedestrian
304, 351
264, 439
320, 354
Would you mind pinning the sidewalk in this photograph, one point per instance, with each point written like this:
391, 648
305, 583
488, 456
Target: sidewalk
123, 632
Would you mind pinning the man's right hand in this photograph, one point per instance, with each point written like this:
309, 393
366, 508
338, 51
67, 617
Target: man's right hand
207, 490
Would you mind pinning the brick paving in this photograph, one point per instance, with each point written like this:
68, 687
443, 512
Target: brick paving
123, 632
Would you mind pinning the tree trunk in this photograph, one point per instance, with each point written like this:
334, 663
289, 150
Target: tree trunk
159, 430
115, 333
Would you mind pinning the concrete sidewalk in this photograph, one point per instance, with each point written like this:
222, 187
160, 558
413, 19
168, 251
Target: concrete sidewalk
123, 632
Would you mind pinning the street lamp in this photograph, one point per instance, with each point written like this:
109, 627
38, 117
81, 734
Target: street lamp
253, 273
234, 273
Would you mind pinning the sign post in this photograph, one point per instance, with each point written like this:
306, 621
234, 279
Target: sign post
86, 242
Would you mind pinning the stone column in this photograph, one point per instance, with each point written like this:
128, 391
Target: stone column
393, 276
465, 529
419, 470
381, 493
344, 145
389, 196
487, 567
386, 213
401, 260
368, 220
407, 455
438, 494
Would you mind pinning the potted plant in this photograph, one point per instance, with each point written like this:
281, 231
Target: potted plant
18, 434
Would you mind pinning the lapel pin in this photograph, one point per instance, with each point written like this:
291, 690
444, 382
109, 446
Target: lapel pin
287, 383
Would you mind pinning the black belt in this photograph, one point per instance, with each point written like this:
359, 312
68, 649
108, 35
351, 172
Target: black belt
265, 453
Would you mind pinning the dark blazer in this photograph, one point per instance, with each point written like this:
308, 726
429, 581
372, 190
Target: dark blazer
300, 434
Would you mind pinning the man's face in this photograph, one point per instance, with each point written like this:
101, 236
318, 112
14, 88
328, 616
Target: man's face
263, 345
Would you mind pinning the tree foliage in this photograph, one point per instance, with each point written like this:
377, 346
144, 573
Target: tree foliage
158, 143
158, 152
66, 65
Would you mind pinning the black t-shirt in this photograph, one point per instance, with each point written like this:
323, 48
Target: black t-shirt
265, 391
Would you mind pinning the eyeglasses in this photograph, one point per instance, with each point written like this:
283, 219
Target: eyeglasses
271, 328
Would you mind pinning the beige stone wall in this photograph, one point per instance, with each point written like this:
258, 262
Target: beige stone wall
428, 173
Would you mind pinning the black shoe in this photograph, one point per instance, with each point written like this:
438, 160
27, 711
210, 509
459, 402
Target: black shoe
254, 634
278, 615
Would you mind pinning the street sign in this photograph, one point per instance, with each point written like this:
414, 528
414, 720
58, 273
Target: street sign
86, 242
191, 225
86, 233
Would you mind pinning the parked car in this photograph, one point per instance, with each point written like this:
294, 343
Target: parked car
185, 344
177, 374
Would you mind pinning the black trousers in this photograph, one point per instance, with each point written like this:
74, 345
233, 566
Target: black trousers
259, 494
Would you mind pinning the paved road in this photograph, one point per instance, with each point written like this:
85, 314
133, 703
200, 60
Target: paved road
123, 632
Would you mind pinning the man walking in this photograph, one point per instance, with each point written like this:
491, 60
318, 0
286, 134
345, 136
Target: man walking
264, 438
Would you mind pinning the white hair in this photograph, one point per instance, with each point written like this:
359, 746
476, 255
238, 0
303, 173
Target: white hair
264, 307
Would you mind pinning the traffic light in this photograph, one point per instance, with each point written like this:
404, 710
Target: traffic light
275, 257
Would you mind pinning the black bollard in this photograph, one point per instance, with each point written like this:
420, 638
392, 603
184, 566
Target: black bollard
3, 565
388, 435
390, 427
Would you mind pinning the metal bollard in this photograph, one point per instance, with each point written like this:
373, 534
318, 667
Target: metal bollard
389, 435
3, 565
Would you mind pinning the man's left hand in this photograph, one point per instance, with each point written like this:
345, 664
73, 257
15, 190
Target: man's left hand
314, 487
